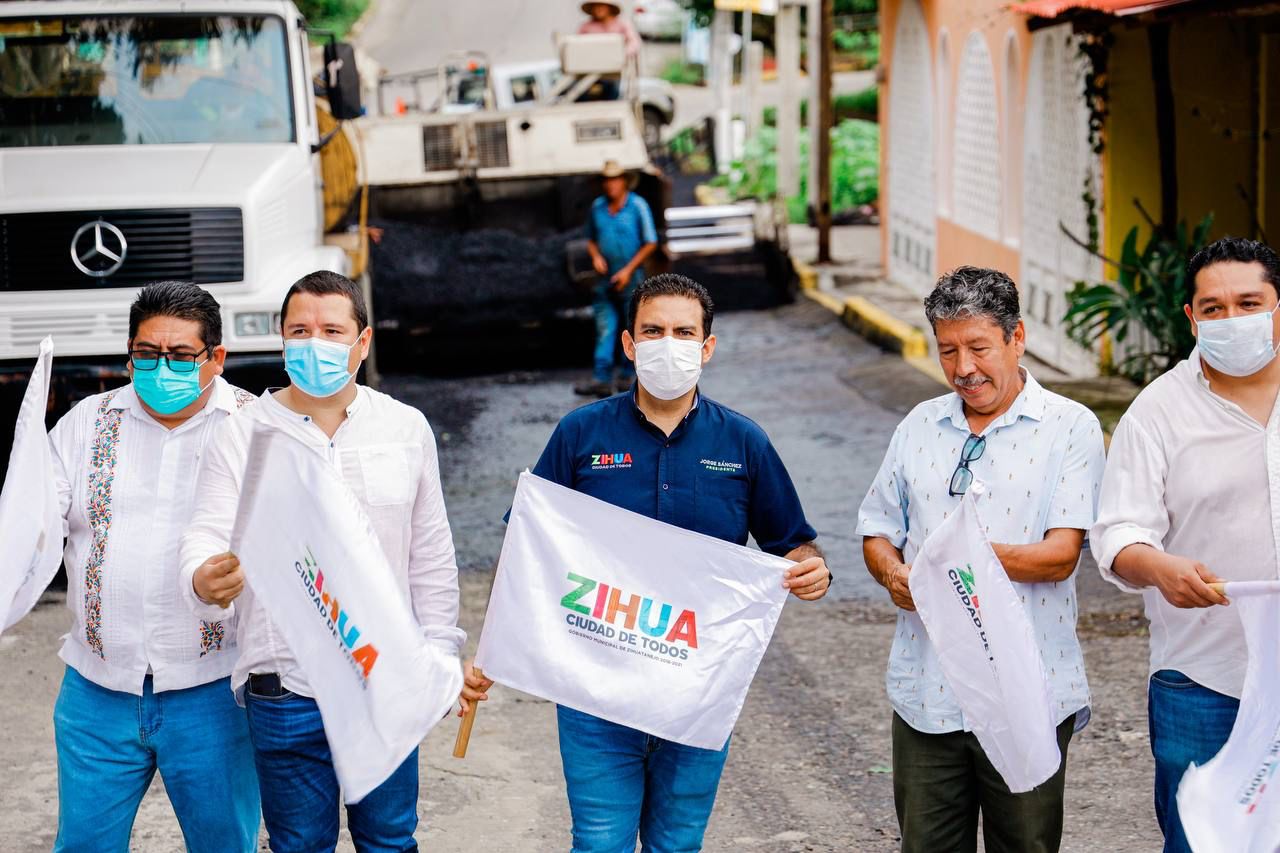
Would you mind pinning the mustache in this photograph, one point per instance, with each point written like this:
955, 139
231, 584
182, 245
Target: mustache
972, 381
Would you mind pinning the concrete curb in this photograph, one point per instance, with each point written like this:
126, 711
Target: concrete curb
878, 326
872, 322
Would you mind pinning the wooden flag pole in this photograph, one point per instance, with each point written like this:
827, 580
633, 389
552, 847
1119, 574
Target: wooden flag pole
464, 731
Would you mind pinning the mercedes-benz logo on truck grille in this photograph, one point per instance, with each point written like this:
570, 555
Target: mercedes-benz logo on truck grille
102, 253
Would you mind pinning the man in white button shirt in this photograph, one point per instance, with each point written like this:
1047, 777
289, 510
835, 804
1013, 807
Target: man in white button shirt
1040, 458
1192, 496
385, 451
145, 687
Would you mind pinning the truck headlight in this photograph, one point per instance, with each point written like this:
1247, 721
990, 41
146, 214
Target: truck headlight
257, 324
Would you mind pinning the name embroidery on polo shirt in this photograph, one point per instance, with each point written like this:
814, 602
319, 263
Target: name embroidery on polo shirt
720, 465
609, 461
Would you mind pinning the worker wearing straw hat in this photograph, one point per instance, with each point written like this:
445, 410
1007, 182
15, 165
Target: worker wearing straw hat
620, 238
607, 18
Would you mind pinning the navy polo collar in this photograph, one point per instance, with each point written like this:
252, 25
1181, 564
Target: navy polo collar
635, 407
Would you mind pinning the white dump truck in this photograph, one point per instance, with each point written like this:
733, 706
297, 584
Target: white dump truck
157, 139
196, 140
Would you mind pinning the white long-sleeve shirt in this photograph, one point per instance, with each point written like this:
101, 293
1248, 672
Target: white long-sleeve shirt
385, 451
1193, 475
127, 487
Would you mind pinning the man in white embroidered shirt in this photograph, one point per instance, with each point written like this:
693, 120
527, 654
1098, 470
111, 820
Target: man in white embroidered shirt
1040, 458
145, 687
385, 451
1192, 496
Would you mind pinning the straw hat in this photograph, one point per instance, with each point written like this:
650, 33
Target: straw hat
612, 169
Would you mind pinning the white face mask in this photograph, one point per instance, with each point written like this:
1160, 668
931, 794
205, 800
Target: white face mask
668, 368
1237, 346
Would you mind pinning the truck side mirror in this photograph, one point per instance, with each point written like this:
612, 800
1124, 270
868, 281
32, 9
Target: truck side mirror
341, 80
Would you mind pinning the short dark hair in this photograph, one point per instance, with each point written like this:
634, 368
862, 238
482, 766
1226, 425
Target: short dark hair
180, 299
671, 284
322, 282
967, 292
1236, 249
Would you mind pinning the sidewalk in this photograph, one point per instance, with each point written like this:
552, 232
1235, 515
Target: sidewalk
853, 285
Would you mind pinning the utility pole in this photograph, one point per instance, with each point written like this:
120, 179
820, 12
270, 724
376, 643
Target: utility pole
825, 118
813, 49
722, 81
752, 67
787, 36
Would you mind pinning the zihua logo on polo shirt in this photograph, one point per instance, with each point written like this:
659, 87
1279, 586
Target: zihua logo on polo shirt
720, 465
606, 461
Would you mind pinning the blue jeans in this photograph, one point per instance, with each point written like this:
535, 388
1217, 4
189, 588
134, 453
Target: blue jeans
610, 310
1188, 723
110, 745
622, 782
300, 789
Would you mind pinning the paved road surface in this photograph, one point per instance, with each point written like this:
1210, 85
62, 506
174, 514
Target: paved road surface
808, 768
406, 35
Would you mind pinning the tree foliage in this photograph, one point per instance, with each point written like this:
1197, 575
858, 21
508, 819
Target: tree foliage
335, 15
855, 168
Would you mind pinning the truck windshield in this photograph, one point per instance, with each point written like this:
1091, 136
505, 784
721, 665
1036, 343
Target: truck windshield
144, 80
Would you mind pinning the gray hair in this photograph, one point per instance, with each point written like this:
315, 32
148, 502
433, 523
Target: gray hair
968, 292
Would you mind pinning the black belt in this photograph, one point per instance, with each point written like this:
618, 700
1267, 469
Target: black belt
267, 684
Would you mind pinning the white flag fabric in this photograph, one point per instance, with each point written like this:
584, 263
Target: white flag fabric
30, 520
987, 648
311, 557
626, 618
1232, 803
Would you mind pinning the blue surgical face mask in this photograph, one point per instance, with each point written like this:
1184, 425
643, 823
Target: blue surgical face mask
165, 391
318, 368
1237, 346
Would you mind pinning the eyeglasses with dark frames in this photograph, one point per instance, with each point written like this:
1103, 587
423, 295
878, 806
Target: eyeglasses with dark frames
974, 445
179, 362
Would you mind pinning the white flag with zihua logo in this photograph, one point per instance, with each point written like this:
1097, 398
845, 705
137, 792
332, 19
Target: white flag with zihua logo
30, 518
987, 648
1232, 803
626, 618
310, 556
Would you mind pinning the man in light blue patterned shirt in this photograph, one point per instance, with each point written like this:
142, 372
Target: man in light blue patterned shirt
1040, 458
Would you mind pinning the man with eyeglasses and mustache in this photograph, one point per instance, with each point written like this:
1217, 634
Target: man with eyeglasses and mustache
146, 682
1039, 458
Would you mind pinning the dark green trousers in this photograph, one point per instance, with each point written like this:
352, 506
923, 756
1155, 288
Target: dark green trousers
942, 782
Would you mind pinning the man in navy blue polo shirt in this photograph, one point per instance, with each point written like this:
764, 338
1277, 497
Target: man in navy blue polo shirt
696, 464
620, 238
